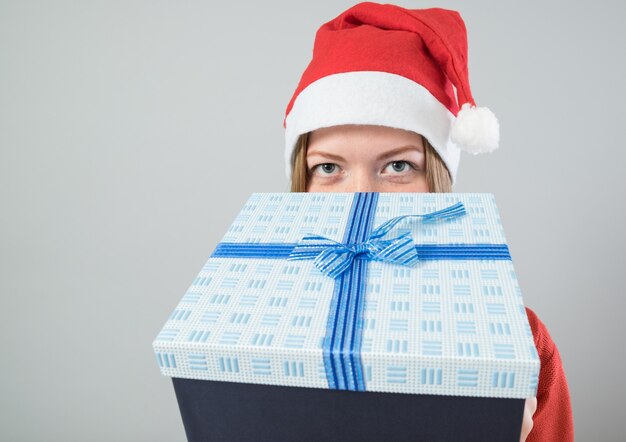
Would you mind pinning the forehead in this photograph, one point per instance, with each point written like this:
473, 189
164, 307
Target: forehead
362, 131
344, 138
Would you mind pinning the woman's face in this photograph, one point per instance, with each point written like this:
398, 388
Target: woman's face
365, 158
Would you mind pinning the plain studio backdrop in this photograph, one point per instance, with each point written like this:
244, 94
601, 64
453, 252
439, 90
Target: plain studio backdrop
131, 133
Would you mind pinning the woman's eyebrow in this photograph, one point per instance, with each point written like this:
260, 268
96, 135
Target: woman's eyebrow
398, 150
326, 154
388, 154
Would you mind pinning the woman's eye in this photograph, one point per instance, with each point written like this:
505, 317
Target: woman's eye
326, 168
399, 166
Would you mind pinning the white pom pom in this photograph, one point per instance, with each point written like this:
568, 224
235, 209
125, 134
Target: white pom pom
475, 130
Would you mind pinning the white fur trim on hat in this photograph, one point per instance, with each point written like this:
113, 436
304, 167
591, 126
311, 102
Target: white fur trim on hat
376, 98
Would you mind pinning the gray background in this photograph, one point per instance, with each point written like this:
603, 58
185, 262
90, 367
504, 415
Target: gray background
132, 132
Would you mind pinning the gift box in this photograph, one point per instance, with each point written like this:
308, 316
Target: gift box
387, 314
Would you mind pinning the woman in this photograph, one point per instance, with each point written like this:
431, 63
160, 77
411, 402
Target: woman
385, 106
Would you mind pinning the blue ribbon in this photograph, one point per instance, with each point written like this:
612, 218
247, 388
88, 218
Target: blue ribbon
333, 258
426, 252
346, 262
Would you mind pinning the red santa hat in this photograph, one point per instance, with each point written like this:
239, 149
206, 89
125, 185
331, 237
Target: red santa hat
385, 65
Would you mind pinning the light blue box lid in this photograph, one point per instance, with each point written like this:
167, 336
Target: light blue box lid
446, 326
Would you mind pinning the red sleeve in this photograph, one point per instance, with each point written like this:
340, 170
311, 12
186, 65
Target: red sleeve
553, 419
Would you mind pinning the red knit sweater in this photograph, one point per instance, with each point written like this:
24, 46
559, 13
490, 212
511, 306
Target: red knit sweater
553, 419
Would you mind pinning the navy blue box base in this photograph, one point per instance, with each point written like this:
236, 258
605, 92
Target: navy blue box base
228, 411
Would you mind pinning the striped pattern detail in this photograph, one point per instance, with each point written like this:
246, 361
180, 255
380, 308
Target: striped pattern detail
168, 334
432, 348
261, 366
271, 319
180, 315
230, 338
503, 379
431, 306
467, 378
335, 257
504, 351
191, 297
166, 360
341, 351
468, 349
197, 362
293, 368
295, 341
396, 375
198, 336
228, 364
431, 376
210, 317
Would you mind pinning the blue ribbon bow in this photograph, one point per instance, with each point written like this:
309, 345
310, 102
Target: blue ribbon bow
333, 258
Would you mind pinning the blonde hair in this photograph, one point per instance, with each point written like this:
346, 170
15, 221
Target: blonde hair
437, 173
